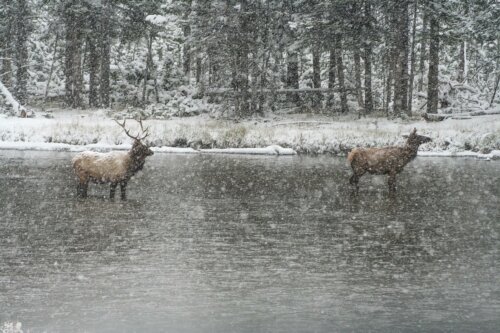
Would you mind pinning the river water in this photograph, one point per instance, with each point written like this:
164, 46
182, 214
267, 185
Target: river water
212, 243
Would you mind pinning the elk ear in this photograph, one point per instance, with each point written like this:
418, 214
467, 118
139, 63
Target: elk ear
414, 131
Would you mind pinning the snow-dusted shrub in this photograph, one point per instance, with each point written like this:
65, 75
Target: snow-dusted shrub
182, 102
233, 137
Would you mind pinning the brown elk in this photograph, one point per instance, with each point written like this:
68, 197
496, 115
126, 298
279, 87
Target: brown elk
115, 167
384, 161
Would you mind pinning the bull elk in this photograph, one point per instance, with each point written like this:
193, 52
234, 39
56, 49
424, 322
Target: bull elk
384, 161
115, 167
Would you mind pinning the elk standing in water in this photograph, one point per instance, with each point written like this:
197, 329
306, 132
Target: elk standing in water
115, 167
384, 161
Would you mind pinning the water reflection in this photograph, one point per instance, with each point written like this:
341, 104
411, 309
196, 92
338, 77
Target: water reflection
245, 244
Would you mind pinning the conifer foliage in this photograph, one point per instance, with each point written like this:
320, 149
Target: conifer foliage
393, 58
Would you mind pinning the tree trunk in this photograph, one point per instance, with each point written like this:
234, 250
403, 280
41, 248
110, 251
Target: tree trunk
52, 65
433, 78
105, 48
461, 62
390, 57
254, 74
412, 70
147, 69
389, 79
495, 90
316, 55
199, 68
368, 59
368, 80
396, 59
92, 40
316, 69
186, 51
498, 73
235, 83
292, 79
401, 59
243, 73
405, 48
77, 72
422, 52
242, 64
6, 49
68, 58
332, 69
73, 68
357, 76
93, 74
263, 82
186, 46
213, 68
340, 73
22, 75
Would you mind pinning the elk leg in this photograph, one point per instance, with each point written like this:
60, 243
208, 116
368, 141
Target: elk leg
81, 190
112, 190
123, 188
392, 182
354, 180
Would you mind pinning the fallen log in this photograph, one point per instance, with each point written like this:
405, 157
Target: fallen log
465, 115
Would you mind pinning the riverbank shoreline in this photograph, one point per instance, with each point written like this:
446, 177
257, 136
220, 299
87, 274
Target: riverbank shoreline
302, 134
270, 150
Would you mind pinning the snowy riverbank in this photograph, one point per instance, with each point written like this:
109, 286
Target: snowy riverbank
277, 135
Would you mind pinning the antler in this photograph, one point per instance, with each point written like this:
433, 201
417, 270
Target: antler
145, 131
126, 131
130, 135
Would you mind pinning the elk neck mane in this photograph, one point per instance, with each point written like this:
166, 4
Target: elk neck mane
136, 163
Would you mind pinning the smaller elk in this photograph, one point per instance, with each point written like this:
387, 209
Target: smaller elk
384, 161
115, 167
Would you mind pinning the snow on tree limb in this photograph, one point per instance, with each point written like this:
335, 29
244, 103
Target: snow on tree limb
160, 20
10, 99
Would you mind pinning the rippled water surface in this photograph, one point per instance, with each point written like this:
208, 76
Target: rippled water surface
250, 244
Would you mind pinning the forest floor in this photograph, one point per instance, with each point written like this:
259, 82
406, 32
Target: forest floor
95, 129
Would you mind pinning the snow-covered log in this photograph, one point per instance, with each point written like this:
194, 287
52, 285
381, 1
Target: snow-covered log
223, 91
463, 115
270, 150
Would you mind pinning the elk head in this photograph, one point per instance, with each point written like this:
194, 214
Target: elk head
416, 140
139, 150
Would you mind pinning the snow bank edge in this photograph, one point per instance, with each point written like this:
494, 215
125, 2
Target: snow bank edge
46, 146
273, 150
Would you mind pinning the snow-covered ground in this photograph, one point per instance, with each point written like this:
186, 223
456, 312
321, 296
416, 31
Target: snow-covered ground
276, 135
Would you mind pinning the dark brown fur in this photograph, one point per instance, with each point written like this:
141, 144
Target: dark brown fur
384, 161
